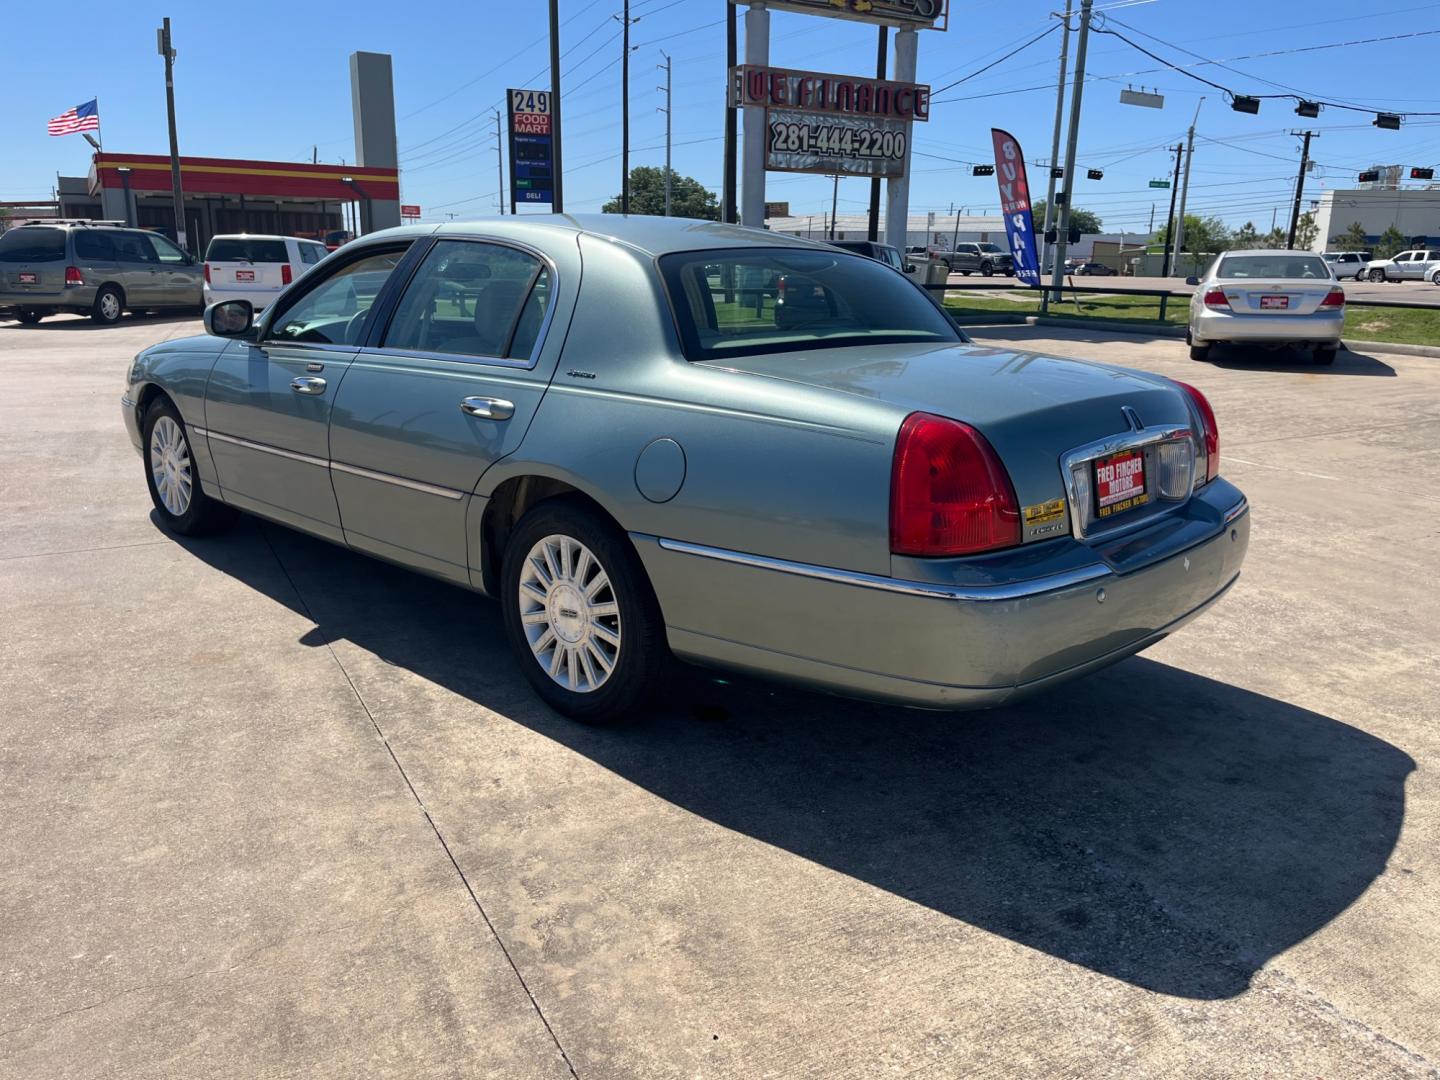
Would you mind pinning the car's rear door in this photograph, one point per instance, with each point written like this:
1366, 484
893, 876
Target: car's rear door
95, 255
448, 387
267, 404
137, 267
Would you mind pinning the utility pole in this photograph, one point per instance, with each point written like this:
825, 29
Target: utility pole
558, 206
1076, 91
1185, 184
1055, 146
1299, 185
625, 21
167, 50
880, 47
666, 111
500, 162
727, 194
834, 202
1170, 226
1151, 227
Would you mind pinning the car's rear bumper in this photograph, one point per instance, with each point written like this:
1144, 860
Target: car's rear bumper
944, 646
1317, 327
70, 298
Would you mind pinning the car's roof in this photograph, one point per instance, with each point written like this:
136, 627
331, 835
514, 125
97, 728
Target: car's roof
258, 236
1266, 251
650, 235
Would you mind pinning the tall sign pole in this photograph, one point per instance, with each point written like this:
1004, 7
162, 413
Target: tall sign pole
557, 202
625, 109
897, 188
727, 196
1055, 145
168, 51
883, 35
752, 180
1072, 137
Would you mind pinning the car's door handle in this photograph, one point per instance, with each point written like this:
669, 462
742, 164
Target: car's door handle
488, 408
307, 385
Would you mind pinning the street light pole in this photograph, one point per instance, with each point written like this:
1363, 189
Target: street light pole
1076, 92
167, 50
558, 179
1055, 145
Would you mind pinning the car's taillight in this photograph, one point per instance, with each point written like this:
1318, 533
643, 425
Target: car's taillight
1210, 431
1216, 298
207, 273
949, 493
73, 276
285, 275
1334, 298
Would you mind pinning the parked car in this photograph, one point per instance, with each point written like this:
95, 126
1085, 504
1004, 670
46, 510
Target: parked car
1272, 298
1095, 269
1348, 264
1418, 264
256, 268
96, 270
335, 239
985, 258
879, 252
839, 491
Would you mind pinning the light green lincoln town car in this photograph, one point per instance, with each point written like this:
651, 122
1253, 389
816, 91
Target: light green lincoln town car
650, 437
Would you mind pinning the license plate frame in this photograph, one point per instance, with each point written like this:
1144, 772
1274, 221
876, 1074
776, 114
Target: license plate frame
245, 275
1274, 303
1120, 483
28, 277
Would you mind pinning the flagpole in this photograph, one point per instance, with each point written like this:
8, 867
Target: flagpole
99, 130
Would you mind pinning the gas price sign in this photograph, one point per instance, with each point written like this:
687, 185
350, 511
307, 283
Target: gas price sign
532, 153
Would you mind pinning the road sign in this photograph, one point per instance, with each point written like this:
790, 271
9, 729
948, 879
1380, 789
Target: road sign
1159, 183
532, 152
409, 210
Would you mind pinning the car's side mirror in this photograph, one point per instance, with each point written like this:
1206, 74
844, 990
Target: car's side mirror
1192, 280
231, 319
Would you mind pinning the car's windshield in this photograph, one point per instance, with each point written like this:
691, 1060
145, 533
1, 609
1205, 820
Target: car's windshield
757, 300
991, 249
33, 245
246, 249
1272, 266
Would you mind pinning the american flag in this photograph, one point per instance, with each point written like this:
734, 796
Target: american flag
81, 118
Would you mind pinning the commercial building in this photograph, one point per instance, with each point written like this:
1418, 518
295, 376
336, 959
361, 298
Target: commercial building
922, 230
1414, 212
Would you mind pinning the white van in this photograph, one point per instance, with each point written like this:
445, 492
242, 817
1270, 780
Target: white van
256, 268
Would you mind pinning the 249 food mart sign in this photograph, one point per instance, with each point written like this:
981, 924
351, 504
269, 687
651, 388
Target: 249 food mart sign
532, 154
822, 123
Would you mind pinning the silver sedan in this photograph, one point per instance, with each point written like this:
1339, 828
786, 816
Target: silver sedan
1271, 298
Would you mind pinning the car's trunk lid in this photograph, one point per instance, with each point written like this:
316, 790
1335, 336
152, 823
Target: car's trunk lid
1275, 296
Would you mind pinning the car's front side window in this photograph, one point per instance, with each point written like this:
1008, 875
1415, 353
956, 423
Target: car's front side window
165, 251
471, 298
333, 311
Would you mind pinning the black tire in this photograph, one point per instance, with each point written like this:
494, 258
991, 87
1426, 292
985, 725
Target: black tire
1324, 356
986, 270
29, 316
642, 657
1199, 352
1435, 278
203, 515
109, 306
964, 273
1377, 275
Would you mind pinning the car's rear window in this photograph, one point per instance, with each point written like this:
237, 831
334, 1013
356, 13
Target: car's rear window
1272, 266
246, 249
28, 244
747, 301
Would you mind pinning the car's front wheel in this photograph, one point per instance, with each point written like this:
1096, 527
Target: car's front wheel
108, 306
175, 486
580, 614
1377, 275
29, 316
986, 270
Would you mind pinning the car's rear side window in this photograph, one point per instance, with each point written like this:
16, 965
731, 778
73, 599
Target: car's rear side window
246, 249
1272, 266
747, 301
93, 246
28, 244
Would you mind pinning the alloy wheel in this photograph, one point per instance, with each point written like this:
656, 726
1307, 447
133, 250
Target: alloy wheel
170, 466
570, 613
110, 306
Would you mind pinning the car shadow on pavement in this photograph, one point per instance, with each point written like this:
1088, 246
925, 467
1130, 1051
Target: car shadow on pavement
1149, 824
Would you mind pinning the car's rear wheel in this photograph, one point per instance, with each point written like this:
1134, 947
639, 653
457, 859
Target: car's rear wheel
1197, 352
964, 273
580, 614
175, 486
108, 306
29, 316
1324, 355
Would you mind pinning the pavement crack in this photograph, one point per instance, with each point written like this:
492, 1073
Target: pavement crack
434, 827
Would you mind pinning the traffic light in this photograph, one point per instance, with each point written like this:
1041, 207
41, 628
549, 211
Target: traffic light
983, 170
1074, 235
1422, 174
1388, 121
1058, 172
1308, 108
1051, 235
1241, 103
1094, 174
1369, 176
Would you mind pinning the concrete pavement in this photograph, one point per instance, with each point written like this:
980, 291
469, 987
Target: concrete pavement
275, 809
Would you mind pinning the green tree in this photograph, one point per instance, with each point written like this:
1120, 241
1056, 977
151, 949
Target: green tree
1087, 221
1352, 239
688, 197
1246, 237
1392, 242
1202, 235
1306, 231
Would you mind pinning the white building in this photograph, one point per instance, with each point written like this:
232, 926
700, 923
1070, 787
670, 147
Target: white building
1415, 212
923, 230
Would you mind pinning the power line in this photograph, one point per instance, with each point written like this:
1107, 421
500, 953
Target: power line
979, 71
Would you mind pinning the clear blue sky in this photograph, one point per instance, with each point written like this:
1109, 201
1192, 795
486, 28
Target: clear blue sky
271, 80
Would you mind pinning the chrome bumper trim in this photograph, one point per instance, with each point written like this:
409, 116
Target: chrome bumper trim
1235, 511
398, 481
1018, 590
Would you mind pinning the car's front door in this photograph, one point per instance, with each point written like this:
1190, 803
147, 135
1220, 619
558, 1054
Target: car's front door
177, 278
449, 387
267, 404
138, 268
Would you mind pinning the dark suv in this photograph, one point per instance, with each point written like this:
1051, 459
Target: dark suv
987, 259
96, 270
